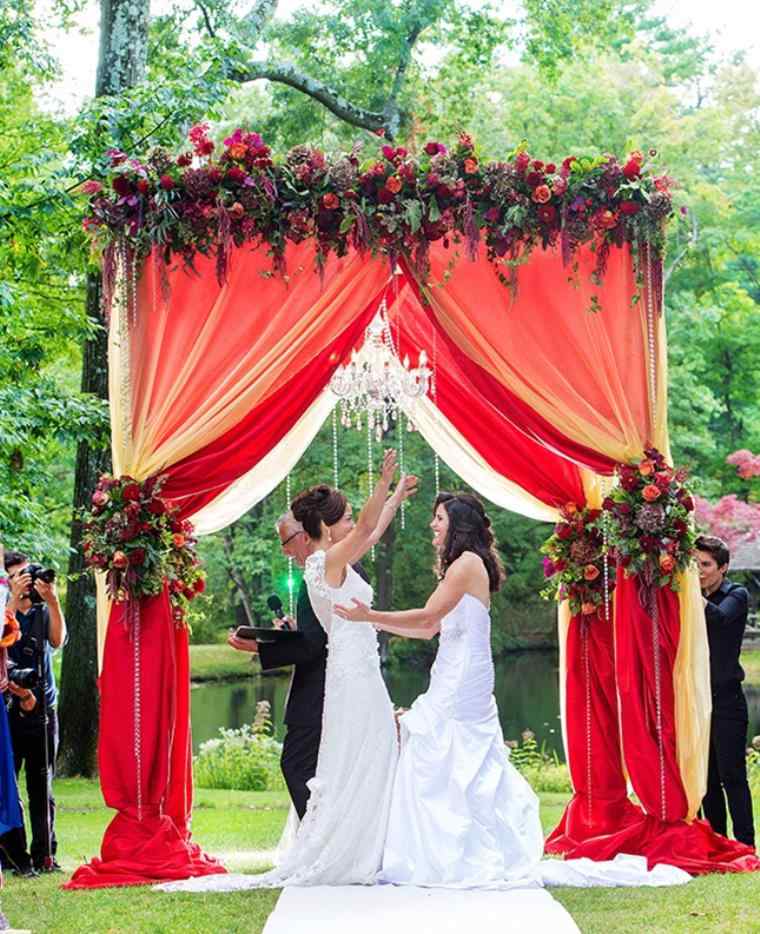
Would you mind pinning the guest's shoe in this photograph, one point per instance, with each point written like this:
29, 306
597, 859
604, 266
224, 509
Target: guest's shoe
54, 866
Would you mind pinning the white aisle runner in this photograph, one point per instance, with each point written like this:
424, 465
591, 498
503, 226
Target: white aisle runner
390, 909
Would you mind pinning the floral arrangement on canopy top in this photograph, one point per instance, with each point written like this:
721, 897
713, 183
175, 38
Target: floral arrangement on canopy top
393, 201
138, 540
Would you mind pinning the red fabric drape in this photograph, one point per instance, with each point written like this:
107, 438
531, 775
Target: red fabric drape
600, 801
150, 843
196, 480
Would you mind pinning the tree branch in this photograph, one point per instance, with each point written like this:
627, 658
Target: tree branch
289, 74
691, 240
206, 19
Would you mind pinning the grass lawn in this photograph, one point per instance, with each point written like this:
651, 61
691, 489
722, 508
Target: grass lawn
219, 663
751, 664
243, 827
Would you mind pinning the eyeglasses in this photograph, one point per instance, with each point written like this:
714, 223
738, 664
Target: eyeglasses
290, 538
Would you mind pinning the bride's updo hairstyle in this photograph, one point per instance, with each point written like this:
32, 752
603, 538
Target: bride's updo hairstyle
316, 505
469, 530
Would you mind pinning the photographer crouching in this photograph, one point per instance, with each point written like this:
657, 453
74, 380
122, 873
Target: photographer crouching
31, 698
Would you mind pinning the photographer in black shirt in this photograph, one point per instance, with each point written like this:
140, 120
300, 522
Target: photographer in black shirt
726, 606
32, 709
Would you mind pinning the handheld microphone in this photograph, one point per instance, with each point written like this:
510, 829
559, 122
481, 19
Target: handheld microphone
275, 605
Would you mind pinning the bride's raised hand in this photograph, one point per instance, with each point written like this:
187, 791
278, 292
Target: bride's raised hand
407, 486
389, 466
358, 613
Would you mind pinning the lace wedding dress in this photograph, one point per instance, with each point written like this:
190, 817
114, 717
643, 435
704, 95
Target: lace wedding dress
340, 840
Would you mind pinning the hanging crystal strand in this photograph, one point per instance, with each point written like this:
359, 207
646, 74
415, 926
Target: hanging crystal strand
370, 478
587, 700
290, 560
401, 464
437, 469
133, 609
606, 566
658, 702
336, 475
651, 338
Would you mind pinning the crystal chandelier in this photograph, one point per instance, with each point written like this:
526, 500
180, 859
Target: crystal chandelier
376, 385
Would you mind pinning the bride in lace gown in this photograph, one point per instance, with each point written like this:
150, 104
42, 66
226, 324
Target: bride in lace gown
461, 815
340, 840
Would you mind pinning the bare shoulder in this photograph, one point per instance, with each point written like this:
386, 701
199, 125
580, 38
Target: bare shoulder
468, 564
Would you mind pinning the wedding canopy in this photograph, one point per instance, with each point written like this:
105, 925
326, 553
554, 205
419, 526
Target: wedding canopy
219, 384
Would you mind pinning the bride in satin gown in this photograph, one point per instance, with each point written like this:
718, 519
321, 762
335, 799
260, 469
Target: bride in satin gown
461, 814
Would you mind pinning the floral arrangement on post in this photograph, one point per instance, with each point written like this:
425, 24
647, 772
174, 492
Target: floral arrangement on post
139, 541
650, 525
393, 201
575, 561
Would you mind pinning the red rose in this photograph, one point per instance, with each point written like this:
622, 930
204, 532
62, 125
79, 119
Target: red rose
131, 492
385, 196
608, 503
137, 556
534, 179
667, 563
623, 508
563, 531
166, 182
632, 169
143, 186
330, 201
538, 165
522, 161
122, 186
547, 213
590, 572
630, 207
560, 565
629, 482
687, 502
184, 160
551, 168
199, 585
541, 194
157, 506
662, 478
649, 543
120, 560
236, 174
394, 184
651, 492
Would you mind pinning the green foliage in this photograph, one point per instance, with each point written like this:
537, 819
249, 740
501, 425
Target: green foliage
540, 767
247, 759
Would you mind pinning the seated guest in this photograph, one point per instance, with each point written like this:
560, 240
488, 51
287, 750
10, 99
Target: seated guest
726, 607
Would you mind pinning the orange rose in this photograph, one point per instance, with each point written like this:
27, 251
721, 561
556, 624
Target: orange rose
571, 508
667, 563
590, 572
237, 209
541, 194
394, 184
636, 156
237, 150
179, 540
470, 166
587, 609
646, 468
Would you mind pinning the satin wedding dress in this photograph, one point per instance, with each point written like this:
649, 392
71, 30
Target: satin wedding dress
461, 814
340, 840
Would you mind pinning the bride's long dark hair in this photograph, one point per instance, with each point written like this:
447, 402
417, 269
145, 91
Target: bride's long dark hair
469, 530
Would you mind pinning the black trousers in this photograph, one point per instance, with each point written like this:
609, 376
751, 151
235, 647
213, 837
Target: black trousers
727, 766
300, 750
27, 736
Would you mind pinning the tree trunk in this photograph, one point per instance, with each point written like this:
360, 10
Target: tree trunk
123, 53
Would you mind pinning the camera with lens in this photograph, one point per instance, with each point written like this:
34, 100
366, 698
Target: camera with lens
24, 677
37, 572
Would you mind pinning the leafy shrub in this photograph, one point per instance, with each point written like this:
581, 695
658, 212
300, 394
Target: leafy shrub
247, 759
541, 768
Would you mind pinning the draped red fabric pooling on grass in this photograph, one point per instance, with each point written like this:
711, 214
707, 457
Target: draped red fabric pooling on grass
153, 843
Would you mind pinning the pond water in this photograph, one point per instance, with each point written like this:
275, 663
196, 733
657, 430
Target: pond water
526, 692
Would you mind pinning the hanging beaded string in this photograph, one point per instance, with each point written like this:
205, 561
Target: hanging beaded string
290, 560
587, 684
437, 469
651, 338
370, 477
658, 703
434, 397
401, 459
336, 474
